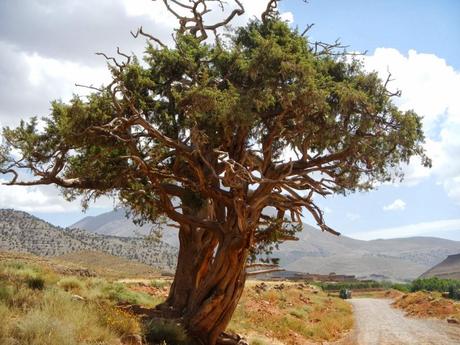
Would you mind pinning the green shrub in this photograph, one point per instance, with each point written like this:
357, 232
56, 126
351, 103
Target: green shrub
434, 284
454, 293
401, 287
170, 332
119, 293
353, 285
35, 283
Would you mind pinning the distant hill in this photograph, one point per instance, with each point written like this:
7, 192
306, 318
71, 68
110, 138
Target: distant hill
397, 259
115, 223
22, 232
319, 252
447, 269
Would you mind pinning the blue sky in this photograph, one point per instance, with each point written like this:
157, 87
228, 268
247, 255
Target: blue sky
46, 46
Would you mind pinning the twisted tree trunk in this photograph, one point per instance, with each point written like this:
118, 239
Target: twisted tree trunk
208, 283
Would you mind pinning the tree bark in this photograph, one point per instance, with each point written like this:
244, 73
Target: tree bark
207, 285
213, 302
193, 260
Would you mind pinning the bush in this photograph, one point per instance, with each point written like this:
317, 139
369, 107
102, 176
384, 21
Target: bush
119, 293
434, 284
354, 285
70, 284
401, 287
454, 293
170, 332
35, 283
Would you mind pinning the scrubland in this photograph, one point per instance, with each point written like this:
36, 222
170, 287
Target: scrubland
40, 306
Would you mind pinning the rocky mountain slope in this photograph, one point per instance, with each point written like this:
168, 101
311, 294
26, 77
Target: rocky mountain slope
318, 252
447, 269
399, 259
115, 223
22, 232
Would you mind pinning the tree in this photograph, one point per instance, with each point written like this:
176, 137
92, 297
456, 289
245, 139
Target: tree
229, 138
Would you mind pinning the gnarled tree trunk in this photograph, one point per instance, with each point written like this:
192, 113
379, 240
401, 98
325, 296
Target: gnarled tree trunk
208, 283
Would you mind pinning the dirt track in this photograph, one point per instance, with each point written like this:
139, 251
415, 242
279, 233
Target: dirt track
377, 323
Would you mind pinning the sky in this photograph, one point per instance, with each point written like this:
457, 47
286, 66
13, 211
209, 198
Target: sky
46, 46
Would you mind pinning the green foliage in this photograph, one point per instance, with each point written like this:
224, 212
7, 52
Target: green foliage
435, 284
119, 293
355, 285
401, 287
454, 292
168, 331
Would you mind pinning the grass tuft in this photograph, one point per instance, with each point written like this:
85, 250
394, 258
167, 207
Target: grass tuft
170, 332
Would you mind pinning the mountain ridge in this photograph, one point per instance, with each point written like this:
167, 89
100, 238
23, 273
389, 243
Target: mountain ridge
320, 252
447, 269
23, 232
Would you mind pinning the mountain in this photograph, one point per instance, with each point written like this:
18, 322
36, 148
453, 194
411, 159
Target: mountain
22, 232
320, 252
448, 269
115, 223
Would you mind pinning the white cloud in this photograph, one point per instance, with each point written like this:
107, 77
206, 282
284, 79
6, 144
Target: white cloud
430, 87
28, 82
397, 205
288, 17
449, 227
41, 199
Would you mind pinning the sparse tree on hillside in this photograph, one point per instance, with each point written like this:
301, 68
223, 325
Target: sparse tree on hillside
211, 133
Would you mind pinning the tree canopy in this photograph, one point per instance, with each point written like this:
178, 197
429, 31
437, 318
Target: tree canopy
260, 116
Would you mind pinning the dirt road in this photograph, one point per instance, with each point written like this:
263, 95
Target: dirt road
377, 323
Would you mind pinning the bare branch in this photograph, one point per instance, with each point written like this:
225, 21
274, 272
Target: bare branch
141, 32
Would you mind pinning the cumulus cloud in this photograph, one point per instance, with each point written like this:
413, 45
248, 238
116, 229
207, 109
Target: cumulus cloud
42, 199
430, 87
448, 227
397, 205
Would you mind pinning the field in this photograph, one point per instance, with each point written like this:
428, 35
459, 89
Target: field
44, 302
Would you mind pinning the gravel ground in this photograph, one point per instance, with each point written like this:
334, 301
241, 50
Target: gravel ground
377, 323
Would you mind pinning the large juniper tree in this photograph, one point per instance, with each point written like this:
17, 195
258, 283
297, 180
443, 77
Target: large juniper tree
210, 134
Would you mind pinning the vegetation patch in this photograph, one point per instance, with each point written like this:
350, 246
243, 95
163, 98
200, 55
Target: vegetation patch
291, 314
166, 332
38, 307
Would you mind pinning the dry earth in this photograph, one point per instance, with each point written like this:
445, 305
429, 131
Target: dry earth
377, 323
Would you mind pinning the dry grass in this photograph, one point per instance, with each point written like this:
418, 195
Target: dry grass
297, 314
109, 266
51, 315
428, 304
